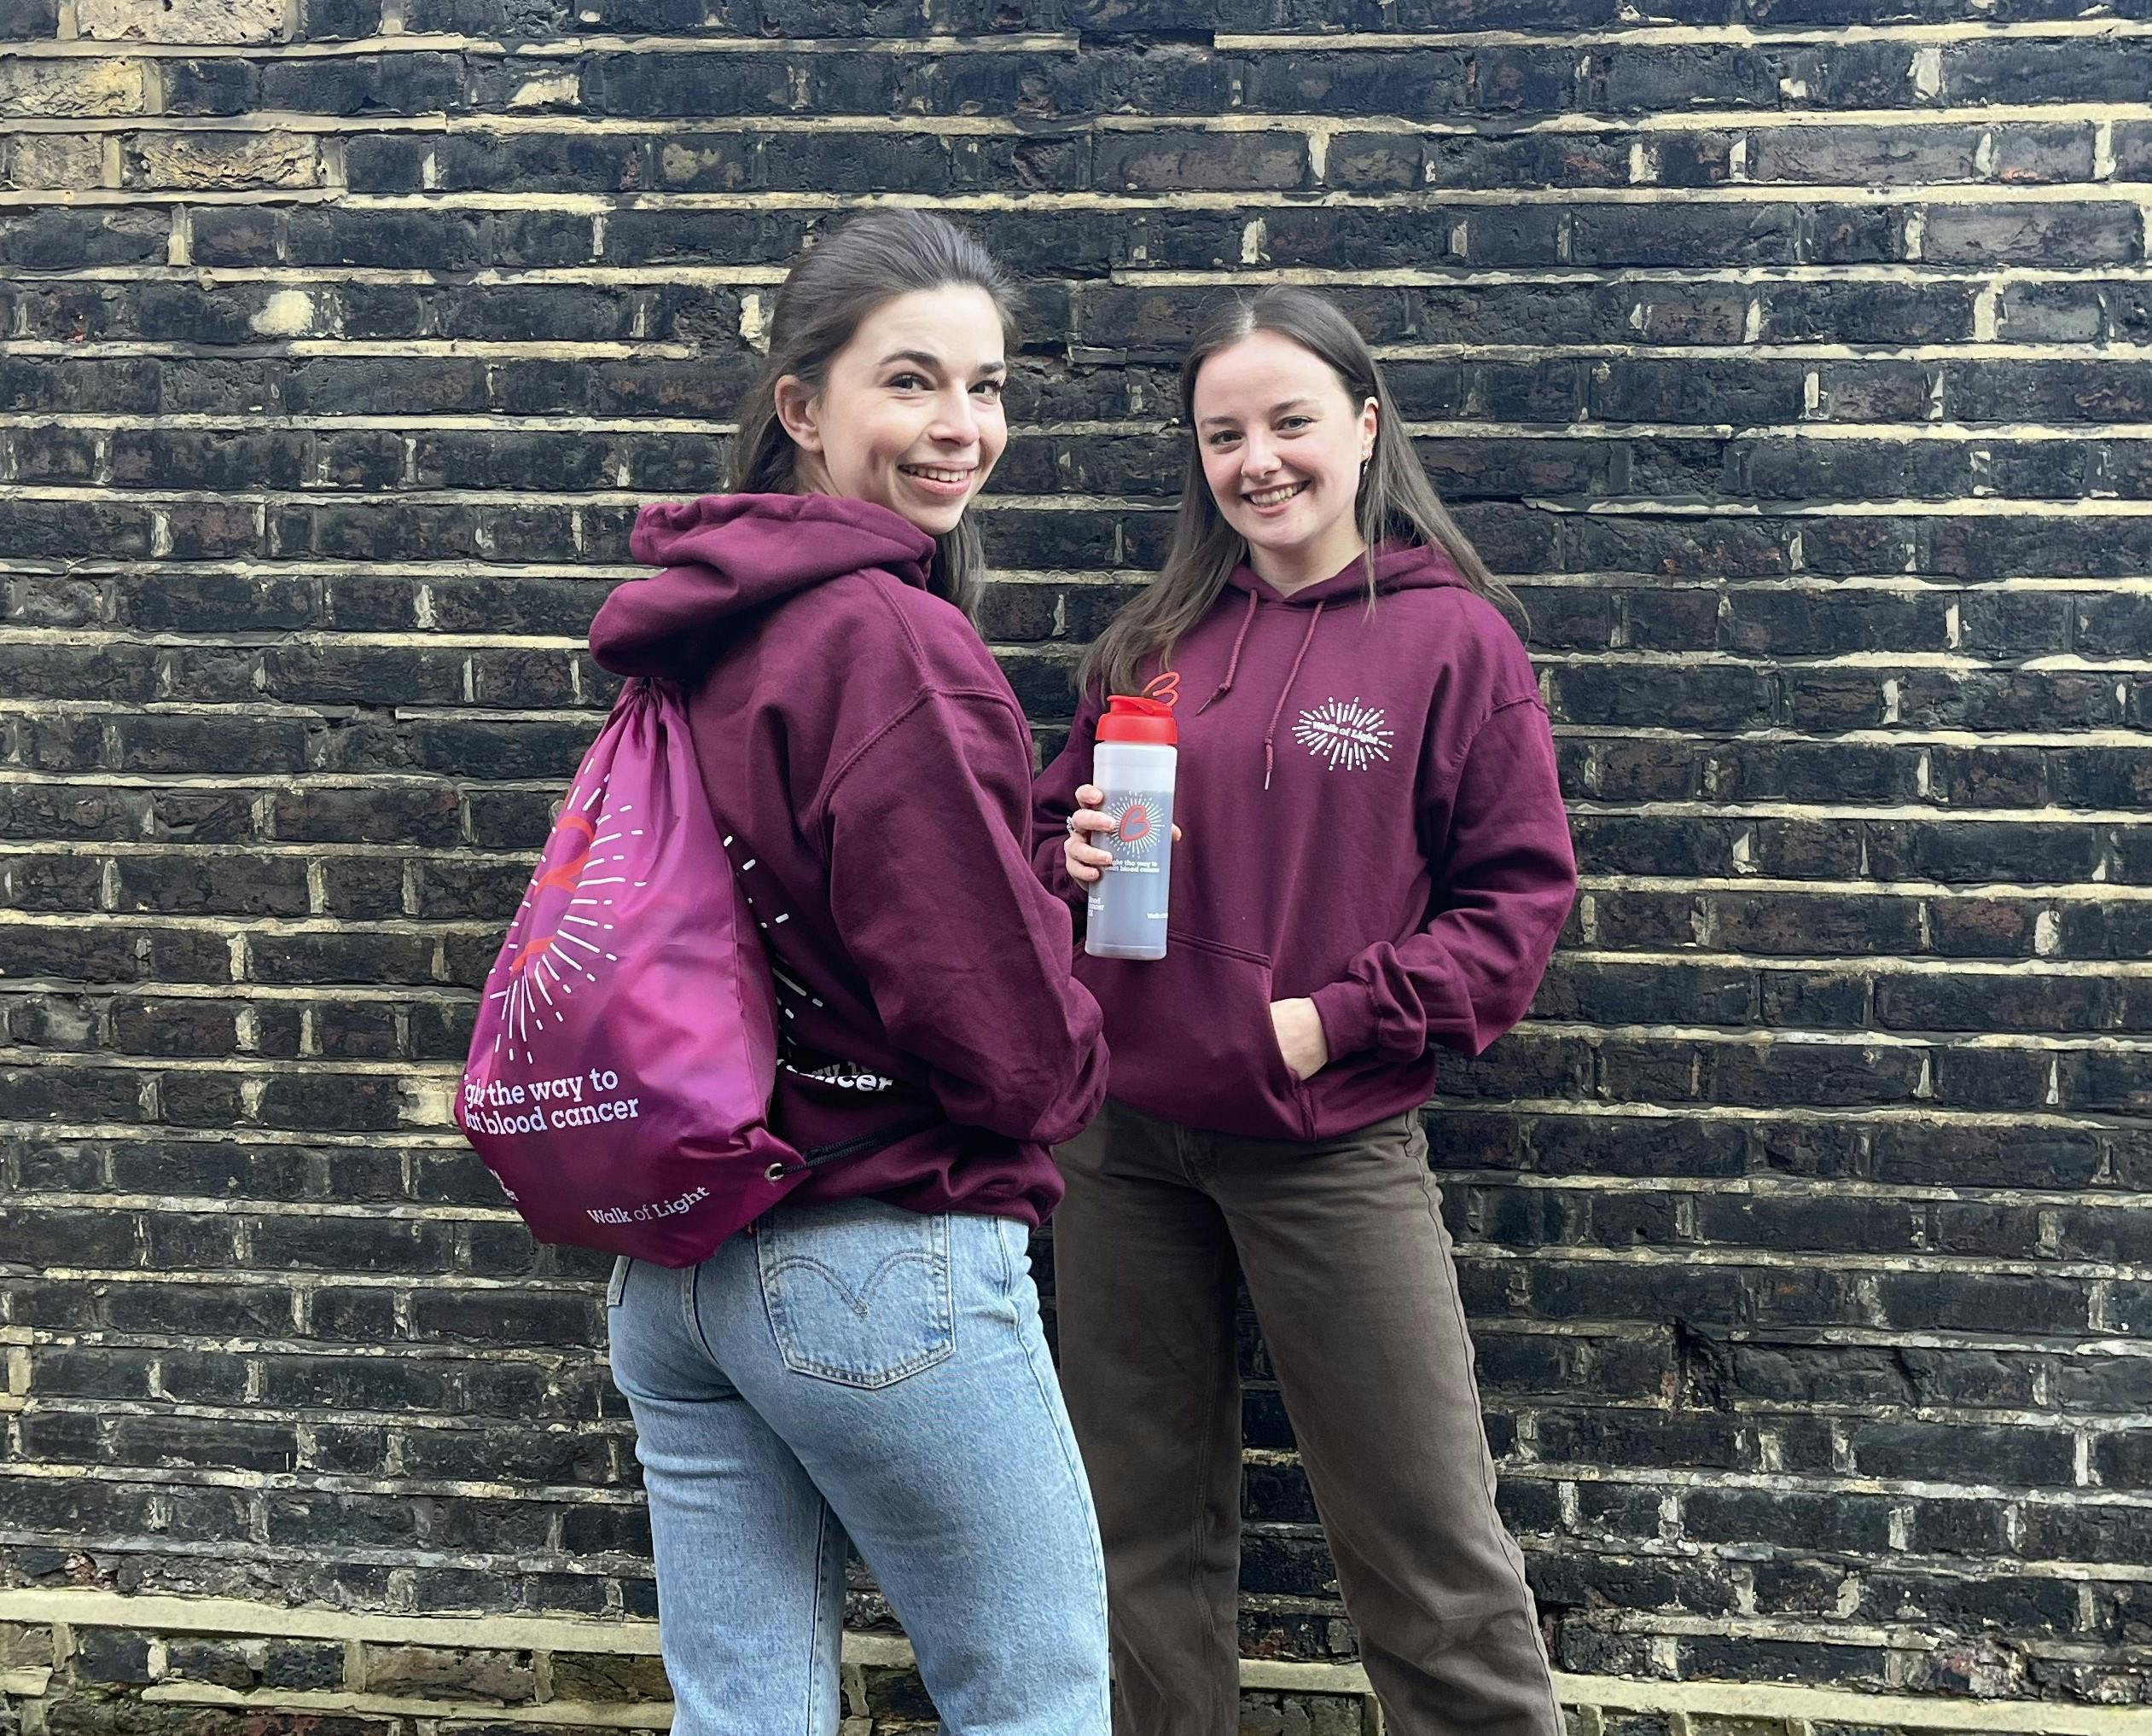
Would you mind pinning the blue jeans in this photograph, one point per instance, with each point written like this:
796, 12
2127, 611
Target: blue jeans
853, 1369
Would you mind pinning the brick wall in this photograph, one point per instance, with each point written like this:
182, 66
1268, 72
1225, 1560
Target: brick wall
1789, 356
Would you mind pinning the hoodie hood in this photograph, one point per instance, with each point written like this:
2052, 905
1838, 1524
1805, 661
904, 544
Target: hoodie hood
725, 553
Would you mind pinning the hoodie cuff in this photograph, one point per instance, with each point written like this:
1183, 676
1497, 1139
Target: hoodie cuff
1346, 1009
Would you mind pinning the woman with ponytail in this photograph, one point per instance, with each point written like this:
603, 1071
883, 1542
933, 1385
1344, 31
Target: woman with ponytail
866, 1362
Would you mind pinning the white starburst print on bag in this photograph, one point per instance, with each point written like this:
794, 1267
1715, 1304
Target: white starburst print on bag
1345, 735
621, 1065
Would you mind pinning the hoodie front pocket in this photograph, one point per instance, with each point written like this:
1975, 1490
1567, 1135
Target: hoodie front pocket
1193, 1041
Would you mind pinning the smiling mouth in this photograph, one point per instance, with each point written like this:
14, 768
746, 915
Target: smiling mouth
1274, 496
935, 472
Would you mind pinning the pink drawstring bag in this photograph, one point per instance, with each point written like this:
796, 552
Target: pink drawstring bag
619, 1076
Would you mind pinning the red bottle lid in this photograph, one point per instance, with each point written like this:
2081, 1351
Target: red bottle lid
1131, 719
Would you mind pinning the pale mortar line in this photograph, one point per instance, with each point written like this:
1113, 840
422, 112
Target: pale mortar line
1683, 1254
1703, 117
2078, 1350
1682, 507
1896, 965
221, 1206
445, 1283
2091, 891
1641, 36
2076, 194
341, 1483
652, 1715
1778, 1704
584, 124
1805, 1482
608, 349
1580, 578
1744, 1036
1468, 276
1764, 1187
1689, 1255
1921, 1114
1587, 807
1770, 1188
1968, 506
271, 927
1823, 810
1971, 739
459, 855
590, 1564
1142, 427
2093, 740
1436, 276
1674, 35
577, 48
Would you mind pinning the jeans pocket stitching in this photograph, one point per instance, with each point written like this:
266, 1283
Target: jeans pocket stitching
772, 1263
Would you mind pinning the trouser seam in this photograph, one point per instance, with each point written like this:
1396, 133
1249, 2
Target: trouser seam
820, 1608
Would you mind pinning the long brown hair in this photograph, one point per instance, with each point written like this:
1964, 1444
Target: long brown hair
1397, 502
833, 287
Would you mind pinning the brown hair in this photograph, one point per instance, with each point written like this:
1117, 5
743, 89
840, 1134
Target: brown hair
1397, 502
832, 288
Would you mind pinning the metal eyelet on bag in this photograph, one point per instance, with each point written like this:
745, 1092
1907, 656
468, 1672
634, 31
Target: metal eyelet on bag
776, 1172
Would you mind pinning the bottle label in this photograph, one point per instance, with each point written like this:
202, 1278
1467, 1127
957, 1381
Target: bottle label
1143, 830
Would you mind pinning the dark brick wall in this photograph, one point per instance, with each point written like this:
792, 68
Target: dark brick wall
1794, 359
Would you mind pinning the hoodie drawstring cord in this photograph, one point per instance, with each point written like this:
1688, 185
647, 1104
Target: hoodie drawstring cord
1232, 663
1270, 732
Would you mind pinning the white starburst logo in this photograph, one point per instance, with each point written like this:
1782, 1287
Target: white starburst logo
559, 936
1345, 733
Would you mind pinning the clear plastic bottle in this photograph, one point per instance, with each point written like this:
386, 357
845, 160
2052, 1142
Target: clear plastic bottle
1133, 764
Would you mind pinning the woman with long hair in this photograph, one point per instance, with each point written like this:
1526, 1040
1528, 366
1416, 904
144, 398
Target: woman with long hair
866, 1362
1377, 864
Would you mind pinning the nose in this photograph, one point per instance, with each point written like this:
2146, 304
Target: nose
1257, 457
956, 418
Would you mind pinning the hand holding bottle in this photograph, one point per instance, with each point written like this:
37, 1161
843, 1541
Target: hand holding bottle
1086, 861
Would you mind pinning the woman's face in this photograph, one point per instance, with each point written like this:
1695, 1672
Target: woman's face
1283, 443
909, 413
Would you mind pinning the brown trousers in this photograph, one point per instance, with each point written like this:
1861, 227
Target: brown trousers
1348, 1265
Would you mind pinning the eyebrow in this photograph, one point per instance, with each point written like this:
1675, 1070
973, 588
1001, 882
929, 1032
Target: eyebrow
1276, 410
922, 358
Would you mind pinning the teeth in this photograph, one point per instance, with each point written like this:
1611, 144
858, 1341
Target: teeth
936, 475
1271, 496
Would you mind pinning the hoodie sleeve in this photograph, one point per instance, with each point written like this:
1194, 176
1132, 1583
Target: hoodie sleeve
967, 955
1053, 799
1504, 891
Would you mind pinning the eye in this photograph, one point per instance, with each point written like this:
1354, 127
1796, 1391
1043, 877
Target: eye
1224, 437
1296, 421
906, 382
990, 390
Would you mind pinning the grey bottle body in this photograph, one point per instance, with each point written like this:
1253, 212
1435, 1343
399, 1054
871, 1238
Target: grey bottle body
1125, 916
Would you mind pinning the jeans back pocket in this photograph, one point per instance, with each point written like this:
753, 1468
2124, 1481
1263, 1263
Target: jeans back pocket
858, 1291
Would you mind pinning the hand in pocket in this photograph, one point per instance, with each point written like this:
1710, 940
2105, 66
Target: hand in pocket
1300, 1034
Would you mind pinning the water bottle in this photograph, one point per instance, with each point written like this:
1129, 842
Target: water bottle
1133, 764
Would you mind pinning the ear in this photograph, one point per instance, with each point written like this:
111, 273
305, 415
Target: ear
798, 412
1370, 425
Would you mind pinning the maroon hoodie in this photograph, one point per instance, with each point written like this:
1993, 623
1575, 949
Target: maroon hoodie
1372, 819
865, 751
